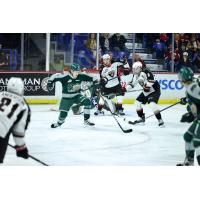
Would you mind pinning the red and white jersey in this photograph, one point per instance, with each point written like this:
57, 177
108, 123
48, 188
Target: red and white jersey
147, 81
111, 74
14, 116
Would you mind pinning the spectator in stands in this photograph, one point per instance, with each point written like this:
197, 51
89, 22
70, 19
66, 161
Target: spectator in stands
104, 43
196, 61
159, 50
168, 59
193, 43
182, 43
194, 54
117, 43
164, 38
91, 44
193, 47
3, 61
177, 41
185, 62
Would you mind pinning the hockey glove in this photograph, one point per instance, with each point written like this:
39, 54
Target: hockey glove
146, 88
50, 85
183, 101
126, 71
141, 81
129, 87
104, 81
22, 151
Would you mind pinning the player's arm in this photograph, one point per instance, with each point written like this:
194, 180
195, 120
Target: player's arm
54, 78
18, 132
125, 66
126, 69
145, 82
132, 83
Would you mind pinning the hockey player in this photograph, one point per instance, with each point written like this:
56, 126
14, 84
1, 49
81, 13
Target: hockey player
110, 74
150, 94
192, 135
14, 118
71, 94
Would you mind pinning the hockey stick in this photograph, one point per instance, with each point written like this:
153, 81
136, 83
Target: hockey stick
120, 94
37, 160
140, 120
124, 130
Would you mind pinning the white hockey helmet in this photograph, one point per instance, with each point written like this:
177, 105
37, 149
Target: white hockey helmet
137, 67
106, 56
15, 85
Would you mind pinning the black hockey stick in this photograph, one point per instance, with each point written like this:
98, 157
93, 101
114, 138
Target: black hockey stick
140, 120
39, 161
112, 95
124, 130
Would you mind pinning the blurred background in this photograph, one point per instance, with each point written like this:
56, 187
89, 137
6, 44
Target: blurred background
161, 52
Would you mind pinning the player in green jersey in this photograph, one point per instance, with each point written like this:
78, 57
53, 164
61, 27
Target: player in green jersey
192, 135
71, 94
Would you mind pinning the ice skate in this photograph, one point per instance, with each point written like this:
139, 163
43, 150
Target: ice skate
141, 121
55, 125
98, 112
187, 162
120, 112
161, 123
88, 123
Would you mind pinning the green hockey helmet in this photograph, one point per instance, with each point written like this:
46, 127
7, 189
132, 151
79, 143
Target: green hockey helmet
75, 67
185, 74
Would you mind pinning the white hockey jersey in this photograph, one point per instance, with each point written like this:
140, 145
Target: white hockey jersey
14, 116
147, 82
111, 74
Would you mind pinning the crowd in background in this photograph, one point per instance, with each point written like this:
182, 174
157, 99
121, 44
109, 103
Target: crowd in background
186, 48
186, 52
158, 45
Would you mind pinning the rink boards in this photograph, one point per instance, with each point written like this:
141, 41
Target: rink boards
36, 91
171, 90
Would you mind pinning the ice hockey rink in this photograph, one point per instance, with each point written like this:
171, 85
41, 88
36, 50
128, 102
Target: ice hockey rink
105, 144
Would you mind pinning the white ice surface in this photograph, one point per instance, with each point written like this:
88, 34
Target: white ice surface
104, 144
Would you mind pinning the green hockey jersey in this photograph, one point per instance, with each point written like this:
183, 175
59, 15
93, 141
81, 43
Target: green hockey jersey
193, 96
71, 87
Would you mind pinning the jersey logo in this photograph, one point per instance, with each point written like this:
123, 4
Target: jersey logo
111, 73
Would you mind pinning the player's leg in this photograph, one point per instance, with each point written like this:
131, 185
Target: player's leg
3, 147
64, 107
77, 109
119, 108
141, 99
196, 139
189, 146
82, 100
153, 100
100, 106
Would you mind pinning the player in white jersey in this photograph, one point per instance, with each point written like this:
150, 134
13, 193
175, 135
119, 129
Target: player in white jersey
192, 135
14, 118
110, 74
150, 94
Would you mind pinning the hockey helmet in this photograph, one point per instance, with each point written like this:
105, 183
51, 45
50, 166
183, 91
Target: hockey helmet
137, 67
106, 56
75, 67
15, 85
185, 74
